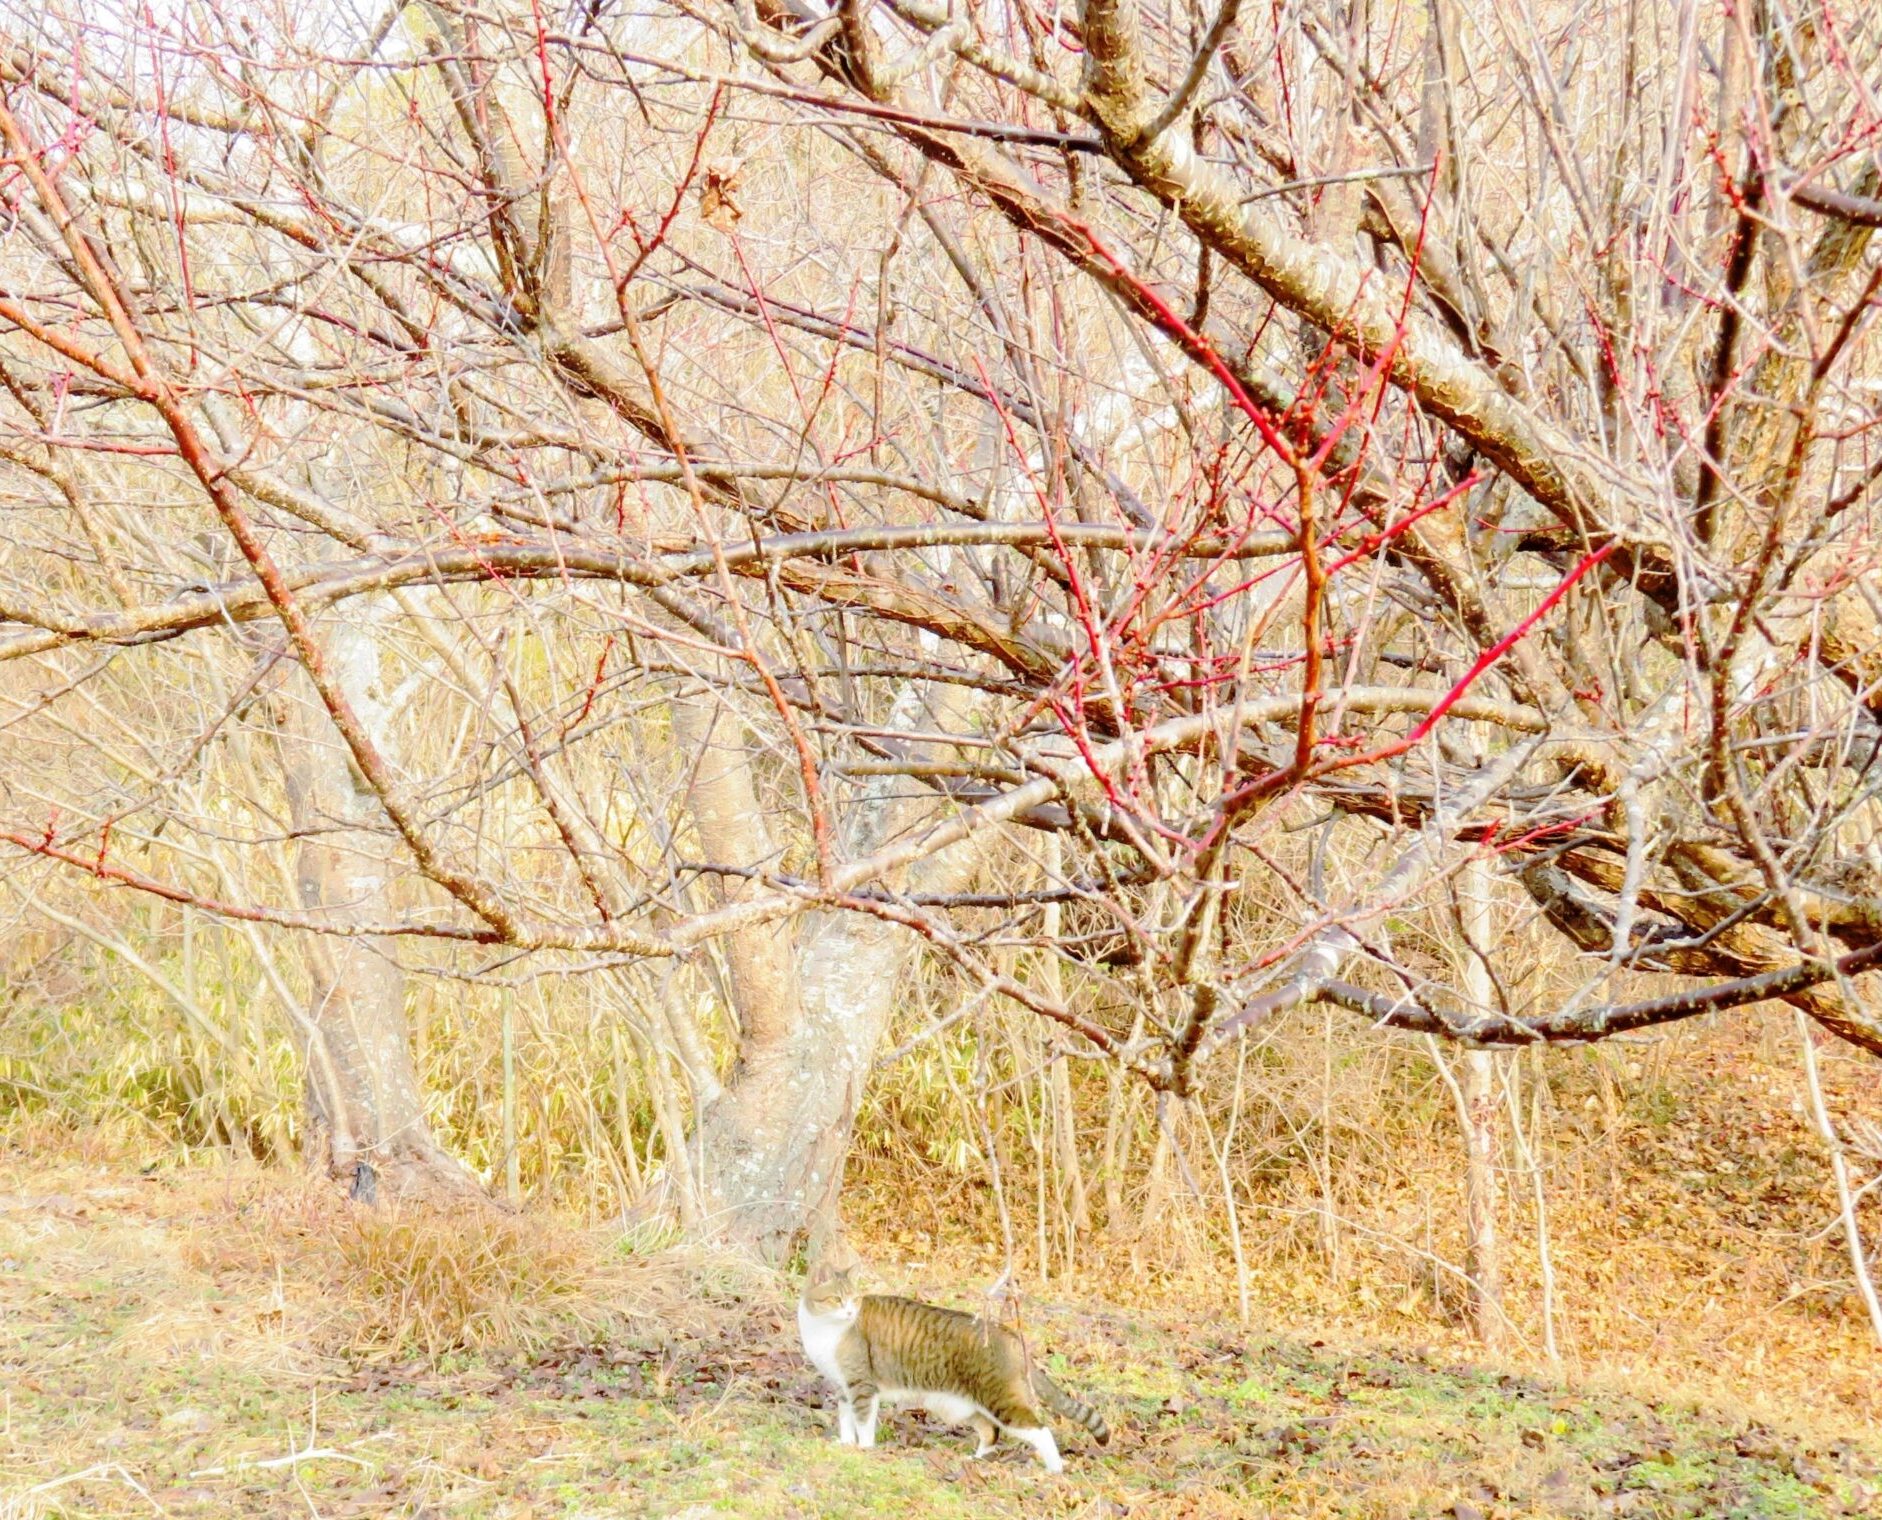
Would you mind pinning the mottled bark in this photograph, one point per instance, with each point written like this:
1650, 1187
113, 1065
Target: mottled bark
364, 1104
733, 833
772, 1146
813, 999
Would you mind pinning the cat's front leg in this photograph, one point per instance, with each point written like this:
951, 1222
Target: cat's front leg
845, 1420
866, 1401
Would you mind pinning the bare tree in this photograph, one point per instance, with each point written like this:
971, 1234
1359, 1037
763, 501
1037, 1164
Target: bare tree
1147, 427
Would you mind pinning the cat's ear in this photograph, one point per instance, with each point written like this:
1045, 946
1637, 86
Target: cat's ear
833, 1262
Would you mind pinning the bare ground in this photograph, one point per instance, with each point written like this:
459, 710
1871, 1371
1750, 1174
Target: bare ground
173, 1342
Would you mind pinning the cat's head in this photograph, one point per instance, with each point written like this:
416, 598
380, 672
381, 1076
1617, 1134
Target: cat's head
833, 1294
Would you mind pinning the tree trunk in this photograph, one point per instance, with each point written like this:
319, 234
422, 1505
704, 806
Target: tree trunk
365, 1110
813, 1000
1064, 1114
1481, 1108
772, 1145
1483, 1257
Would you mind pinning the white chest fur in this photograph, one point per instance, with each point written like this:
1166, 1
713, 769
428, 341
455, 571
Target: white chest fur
820, 1335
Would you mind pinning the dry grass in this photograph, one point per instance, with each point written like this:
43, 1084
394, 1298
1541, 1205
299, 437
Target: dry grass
414, 1278
1689, 1207
168, 1345
359, 1283
1690, 1212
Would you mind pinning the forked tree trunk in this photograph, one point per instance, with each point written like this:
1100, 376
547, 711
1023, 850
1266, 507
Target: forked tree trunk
365, 1110
771, 1146
813, 999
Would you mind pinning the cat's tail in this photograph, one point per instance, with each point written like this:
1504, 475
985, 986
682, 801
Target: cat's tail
1060, 1402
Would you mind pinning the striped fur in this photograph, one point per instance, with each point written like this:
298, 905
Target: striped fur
877, 1350
1070, 1406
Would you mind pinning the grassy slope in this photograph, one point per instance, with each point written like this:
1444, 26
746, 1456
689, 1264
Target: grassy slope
157, 1355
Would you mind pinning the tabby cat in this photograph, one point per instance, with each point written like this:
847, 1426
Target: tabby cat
878, 1350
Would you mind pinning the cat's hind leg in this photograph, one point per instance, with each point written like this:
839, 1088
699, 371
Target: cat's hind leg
986, 1430
1039, 1438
